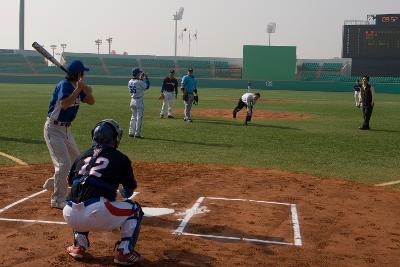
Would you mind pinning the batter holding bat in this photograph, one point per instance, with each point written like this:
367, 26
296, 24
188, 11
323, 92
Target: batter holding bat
64, 106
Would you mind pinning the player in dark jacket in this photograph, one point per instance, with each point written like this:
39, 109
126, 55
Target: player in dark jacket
367, 101
169, 89
95, 178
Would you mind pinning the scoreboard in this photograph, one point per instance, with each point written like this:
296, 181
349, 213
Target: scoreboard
378, 41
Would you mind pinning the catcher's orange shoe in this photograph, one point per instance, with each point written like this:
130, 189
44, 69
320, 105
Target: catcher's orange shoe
77, 252
127, 259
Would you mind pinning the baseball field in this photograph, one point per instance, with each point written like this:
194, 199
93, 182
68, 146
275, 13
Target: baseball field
296, 187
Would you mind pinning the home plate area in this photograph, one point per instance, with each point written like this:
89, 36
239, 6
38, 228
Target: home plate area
223, 218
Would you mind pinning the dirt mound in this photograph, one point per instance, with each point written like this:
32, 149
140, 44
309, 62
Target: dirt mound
258, 114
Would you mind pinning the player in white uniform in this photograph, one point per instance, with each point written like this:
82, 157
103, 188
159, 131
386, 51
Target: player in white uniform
247, 100
136, 88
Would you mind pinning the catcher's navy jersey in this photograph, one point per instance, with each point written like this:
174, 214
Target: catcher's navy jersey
63, 90
111, 168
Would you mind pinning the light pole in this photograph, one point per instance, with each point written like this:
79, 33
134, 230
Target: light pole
109, 40
98, 42
53, 47
63, 46
271, 28
21, 24
177, 16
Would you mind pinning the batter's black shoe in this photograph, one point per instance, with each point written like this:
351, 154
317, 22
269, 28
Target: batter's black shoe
170, 117
131, 135
234, 114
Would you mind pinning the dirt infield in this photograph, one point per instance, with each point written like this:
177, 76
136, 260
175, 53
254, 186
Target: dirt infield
341, 223
258, 114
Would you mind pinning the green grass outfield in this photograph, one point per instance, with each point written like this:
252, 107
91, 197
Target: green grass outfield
329, 144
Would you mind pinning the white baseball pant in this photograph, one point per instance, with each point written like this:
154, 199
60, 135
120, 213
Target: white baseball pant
137, 108
168, 101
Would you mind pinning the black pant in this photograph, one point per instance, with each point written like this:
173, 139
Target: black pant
367, 112
239, 107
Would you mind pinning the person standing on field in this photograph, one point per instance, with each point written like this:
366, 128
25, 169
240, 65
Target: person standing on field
189, 91
64, 106
169, 89
136, 87
367, 101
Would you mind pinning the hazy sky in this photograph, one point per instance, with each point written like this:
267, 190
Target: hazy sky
224, 26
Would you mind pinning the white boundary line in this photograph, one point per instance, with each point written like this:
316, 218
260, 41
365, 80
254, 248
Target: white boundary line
296, 226
16, 160
389, 183
189, 215
293, 210
238, 238
256, 201
22, 200
31, 221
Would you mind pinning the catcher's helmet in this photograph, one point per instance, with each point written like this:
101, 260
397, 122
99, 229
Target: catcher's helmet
107, 133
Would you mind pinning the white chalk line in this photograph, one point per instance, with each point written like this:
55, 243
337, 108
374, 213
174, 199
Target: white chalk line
296, 226
389, 183
250, 200
239, 239
31, 221
189, 215
22, 200
16, 160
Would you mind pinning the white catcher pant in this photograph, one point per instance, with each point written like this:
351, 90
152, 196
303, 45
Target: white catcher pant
63, 152
168, 101
102, 216
137, 108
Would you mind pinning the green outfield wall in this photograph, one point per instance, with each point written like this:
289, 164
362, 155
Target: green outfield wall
208, 83
269, 63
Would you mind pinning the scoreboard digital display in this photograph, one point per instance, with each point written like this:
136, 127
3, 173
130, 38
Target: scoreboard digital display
378, 41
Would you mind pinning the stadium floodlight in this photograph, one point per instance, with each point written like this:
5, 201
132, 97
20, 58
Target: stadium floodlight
109, 40
63, 46
53, 47
271, 28
177, 16
98, 42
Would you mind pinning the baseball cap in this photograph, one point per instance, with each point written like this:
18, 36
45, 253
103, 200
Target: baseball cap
190, 69
75, 67
136, 71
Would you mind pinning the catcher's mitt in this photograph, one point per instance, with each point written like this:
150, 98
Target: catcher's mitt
196, 100
161, 97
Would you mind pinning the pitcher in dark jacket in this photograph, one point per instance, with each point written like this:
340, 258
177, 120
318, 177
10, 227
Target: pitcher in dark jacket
367, 101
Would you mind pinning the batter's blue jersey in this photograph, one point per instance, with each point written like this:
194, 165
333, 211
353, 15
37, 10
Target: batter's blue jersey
64, 89
189, 83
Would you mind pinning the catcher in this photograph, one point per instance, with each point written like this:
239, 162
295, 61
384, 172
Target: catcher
95, 177
247, 100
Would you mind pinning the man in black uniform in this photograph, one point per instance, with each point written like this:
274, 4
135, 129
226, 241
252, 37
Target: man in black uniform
95, 177
367, 100
169, 89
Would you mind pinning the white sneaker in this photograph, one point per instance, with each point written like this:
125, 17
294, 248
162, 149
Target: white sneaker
49, 184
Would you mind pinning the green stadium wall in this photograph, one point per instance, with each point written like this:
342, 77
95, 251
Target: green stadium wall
328, 86
269, 63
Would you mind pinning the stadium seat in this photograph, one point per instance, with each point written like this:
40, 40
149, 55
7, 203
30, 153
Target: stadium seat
310, 66
332, 66
120, 62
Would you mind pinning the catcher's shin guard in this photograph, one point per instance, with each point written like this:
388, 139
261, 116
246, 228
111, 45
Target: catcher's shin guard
81, 239
131, 227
